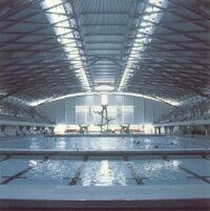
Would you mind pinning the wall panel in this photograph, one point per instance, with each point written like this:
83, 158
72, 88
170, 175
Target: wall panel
138, 110
123, 109
70, 111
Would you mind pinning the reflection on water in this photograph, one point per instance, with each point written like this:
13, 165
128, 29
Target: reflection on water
98, 174
109, 172
105, 143
61, 145
159, 171
106, 173
33, 163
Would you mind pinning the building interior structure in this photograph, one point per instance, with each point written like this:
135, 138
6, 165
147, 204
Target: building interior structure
105, 105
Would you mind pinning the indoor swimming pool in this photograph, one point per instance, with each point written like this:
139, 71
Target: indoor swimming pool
101, 143
104, 171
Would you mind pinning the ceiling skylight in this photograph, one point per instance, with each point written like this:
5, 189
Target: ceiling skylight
104, 88
58, 14
152, 15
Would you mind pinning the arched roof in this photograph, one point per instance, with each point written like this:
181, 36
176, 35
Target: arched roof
51, 48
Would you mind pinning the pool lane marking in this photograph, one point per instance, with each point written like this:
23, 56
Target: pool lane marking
15, 176
5, 158
24, 177
74, 180
195, 175
19, 174
205, 157
203, 178
192, 177
139, 180
164, 157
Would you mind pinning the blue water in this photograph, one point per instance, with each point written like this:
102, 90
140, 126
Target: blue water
104, 143
106, 171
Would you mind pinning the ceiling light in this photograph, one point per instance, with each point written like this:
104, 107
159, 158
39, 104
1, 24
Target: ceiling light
104, 88
57, 15
146, 28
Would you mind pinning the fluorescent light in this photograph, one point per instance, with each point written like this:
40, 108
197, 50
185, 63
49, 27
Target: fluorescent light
57, 16
152, 15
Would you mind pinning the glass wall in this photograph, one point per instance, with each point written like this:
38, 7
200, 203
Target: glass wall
121, 109
87, 110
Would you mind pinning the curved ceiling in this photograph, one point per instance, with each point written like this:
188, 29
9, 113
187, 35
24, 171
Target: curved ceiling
50, 48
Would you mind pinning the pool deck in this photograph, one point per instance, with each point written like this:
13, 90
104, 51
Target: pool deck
132, 197
104, 135
161, 152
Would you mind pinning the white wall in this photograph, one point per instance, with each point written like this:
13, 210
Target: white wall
126, 110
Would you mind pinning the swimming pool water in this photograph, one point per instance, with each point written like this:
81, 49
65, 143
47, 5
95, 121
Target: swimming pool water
106, 172
112, 171
104, 143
